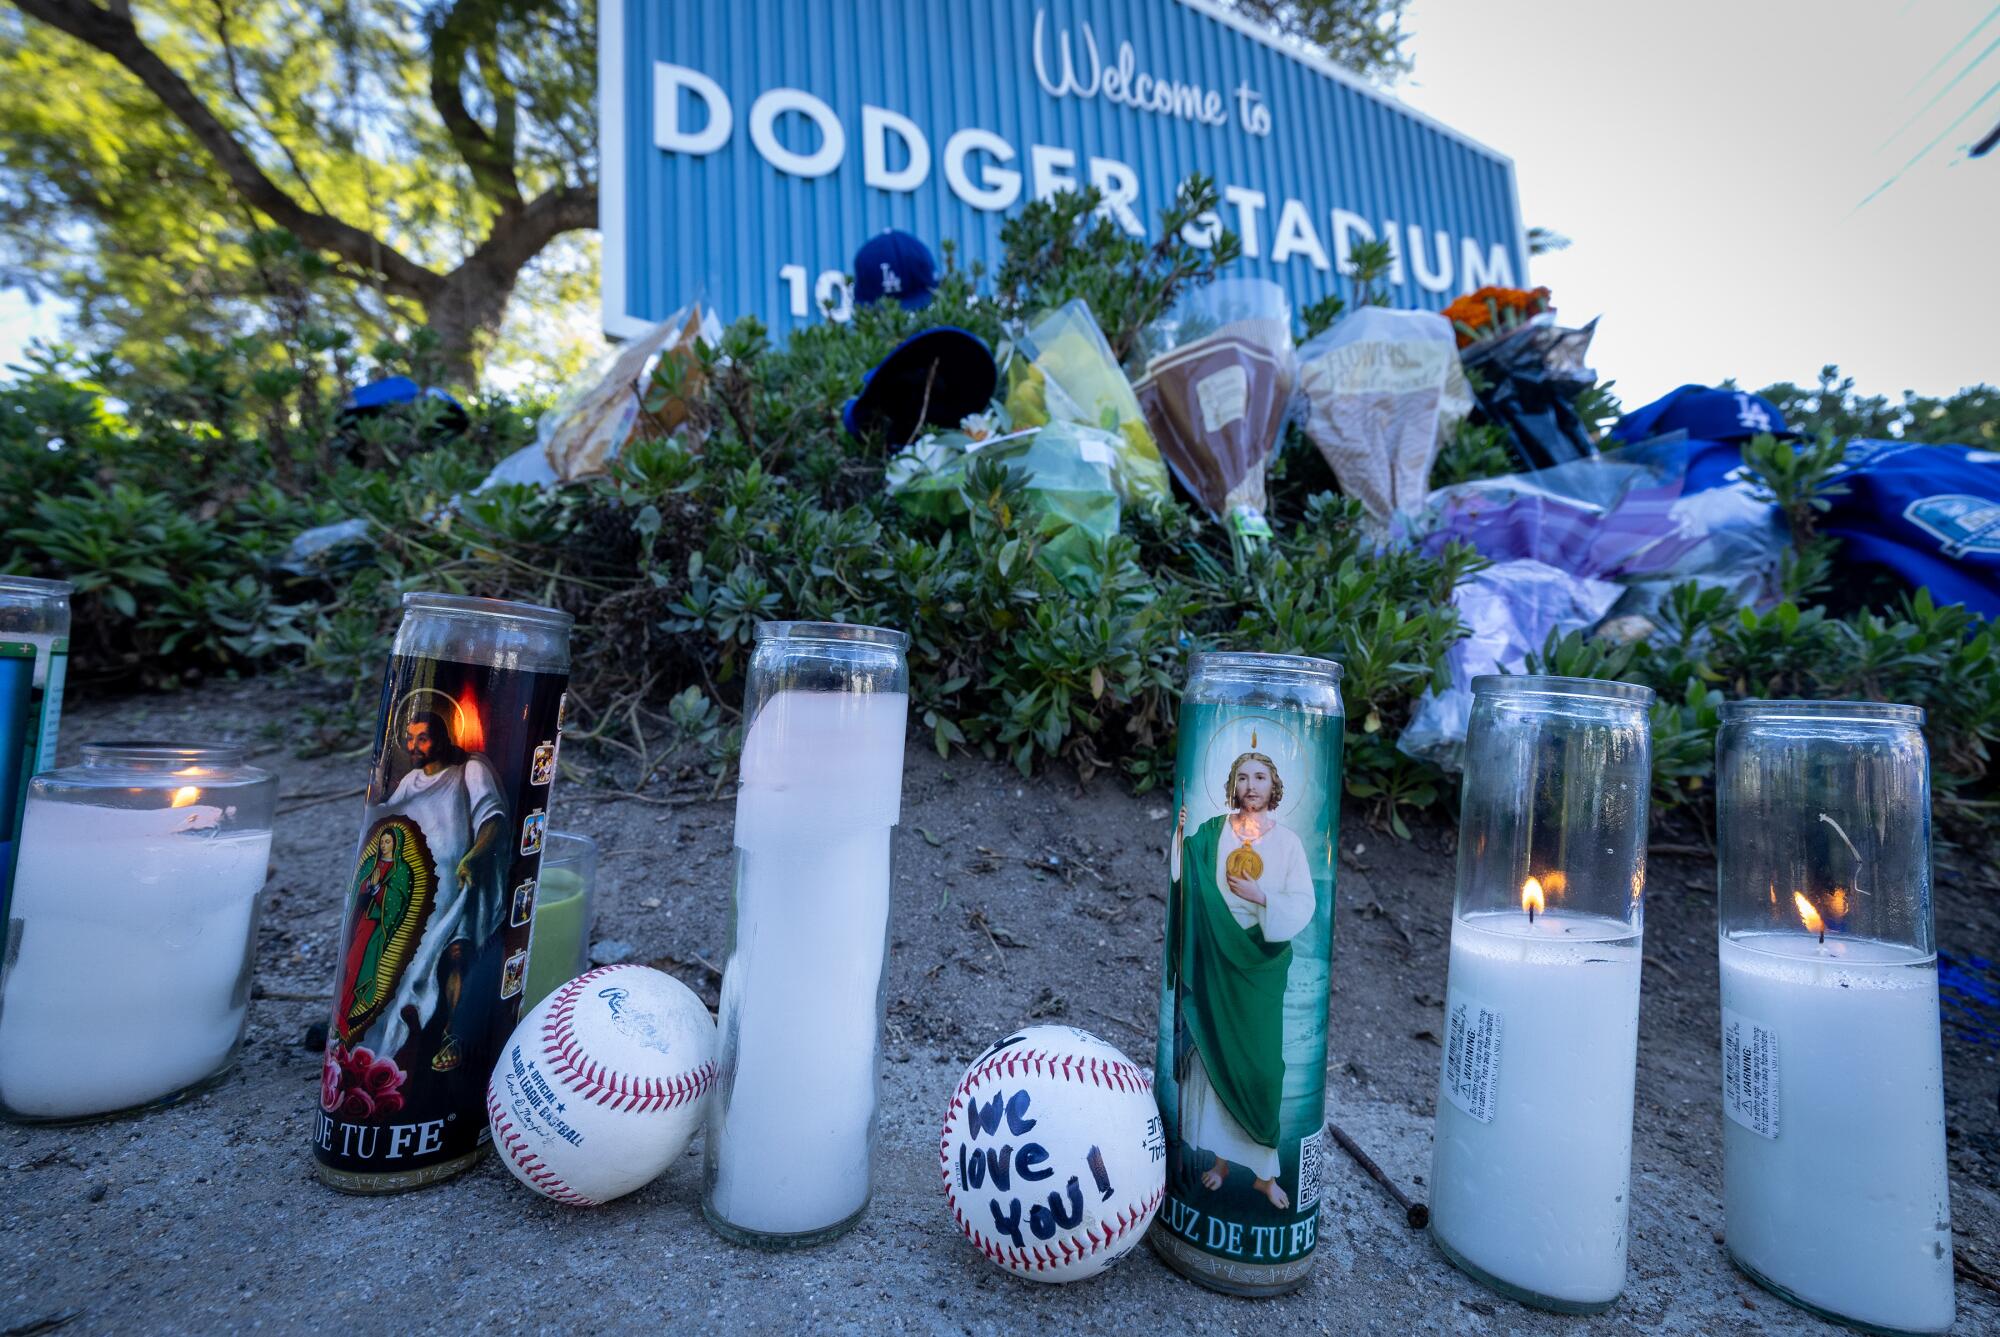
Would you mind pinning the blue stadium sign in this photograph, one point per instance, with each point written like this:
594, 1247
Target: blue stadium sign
749, 147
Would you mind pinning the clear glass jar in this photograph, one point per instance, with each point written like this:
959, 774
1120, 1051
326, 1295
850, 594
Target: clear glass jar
560, 902
133, 928
1532, 1159
34, 610
1835, 1191
791, 1130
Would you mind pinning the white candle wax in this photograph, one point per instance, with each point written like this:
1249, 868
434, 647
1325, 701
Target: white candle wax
1534, 1193
800, 1014
131, 980
1845, 1203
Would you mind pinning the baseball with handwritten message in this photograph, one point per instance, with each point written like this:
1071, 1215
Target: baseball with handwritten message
603, 1084
1053, 1156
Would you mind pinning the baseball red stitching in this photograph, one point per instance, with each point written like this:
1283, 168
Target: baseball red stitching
1098, 1072
590, 1080
1013, 1062
515, 1148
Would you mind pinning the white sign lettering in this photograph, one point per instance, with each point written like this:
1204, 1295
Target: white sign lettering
1081, 72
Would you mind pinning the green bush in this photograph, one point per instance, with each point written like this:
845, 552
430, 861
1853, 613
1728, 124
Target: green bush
171, 506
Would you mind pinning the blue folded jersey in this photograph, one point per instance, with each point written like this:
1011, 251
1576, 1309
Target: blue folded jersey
1931, 514
1928, 514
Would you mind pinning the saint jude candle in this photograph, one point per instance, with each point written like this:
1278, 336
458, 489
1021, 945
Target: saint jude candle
1833, 1150
1531, 1177
1241, 1075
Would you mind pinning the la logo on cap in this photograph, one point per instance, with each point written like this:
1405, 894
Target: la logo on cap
894, 264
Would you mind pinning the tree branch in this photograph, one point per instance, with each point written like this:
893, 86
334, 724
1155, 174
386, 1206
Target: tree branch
520, 236
256, 116
113, 33
491, 161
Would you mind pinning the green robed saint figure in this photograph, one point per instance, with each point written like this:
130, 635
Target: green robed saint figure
1242, 892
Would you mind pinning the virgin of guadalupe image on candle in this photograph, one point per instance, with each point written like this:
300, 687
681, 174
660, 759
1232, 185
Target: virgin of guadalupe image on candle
427, 888
1242, 889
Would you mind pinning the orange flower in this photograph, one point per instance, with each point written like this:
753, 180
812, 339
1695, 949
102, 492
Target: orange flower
1477, 315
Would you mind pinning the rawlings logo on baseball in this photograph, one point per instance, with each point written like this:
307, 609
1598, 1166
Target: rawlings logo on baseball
602, 1085
1053, 1157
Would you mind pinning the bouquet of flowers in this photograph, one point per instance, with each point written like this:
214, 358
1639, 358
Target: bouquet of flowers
1063, 371
1071, 473
1218, 384
1383, 389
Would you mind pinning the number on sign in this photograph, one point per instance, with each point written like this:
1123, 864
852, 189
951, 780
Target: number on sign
830, 293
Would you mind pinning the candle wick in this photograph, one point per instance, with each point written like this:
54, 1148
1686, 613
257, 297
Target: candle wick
1822, 937
1531, 912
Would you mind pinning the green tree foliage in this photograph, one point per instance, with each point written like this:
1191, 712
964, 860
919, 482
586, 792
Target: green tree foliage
1969, 418
1365, 36
1063, 248
401, 162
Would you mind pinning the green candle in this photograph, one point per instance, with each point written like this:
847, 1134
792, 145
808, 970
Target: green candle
556, 952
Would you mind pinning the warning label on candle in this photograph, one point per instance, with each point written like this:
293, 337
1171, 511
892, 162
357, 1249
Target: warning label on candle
1472, 1058
1750, 1073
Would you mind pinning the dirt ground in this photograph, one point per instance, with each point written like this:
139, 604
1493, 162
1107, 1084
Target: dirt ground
1015, 900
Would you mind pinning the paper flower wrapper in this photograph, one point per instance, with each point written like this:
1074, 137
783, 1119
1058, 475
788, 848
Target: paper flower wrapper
1383, 389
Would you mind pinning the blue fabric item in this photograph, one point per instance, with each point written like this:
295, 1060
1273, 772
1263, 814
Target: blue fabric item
1705, 415
935, 377
1930, 514
894, 264
380, 394
392, 390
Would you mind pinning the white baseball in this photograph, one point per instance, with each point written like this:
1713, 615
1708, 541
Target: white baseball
1053, 1156
602, 1084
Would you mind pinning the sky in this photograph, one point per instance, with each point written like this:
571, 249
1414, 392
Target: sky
1710, 163
22, 321
1736, 179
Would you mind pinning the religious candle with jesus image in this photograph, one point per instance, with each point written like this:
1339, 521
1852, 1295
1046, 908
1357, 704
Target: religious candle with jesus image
1242, 1054
429, 962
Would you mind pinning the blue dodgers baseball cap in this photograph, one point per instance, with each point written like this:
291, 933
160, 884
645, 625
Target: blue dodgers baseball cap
936, 378
1705, 415
894, 264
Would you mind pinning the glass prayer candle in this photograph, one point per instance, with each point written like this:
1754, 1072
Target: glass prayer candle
133, 928
1248, 941
34, 651
560, 901
432, 957
1533, 1152
1833, 1148
791, 1128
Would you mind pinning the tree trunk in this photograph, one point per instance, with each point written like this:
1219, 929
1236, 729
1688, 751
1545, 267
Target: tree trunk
465, 316
467, 310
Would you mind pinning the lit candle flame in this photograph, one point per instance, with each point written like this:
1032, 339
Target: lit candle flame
1531, 899
1813, 923
185, 795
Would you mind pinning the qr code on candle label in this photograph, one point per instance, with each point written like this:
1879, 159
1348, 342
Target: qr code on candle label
1750, 1073
1312, 1149
1472, 1058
